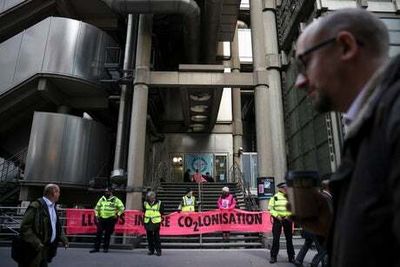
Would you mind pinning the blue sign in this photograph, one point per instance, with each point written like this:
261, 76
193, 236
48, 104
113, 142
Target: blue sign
201, 162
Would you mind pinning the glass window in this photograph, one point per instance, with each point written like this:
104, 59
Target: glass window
221, 175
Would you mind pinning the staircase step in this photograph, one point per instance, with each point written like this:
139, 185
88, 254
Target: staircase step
171, 195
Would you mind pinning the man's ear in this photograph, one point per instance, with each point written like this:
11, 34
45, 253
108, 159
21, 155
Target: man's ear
348, 45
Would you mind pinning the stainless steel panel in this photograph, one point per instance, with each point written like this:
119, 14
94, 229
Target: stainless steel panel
31, 52
8, 61
65, 149
55, 46
60, 47
7, 4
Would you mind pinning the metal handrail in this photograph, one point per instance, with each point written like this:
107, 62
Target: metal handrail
14, 165
200, 195
11, 218
162, 171
244, 186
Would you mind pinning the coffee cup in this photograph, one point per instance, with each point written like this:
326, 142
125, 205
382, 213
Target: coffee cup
301, 189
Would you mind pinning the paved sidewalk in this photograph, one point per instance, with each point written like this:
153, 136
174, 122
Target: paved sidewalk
80, 257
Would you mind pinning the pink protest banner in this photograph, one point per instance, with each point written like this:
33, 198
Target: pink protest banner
80, 221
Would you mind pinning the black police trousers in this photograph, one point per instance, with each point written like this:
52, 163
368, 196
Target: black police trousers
107, 226
276, 233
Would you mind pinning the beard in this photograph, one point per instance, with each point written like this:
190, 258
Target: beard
322, 103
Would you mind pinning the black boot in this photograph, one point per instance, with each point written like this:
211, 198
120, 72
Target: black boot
272, 260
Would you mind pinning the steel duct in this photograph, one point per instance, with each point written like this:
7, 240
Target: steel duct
213, 9
187, 8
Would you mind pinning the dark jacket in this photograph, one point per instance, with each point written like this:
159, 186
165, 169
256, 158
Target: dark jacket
36, 227
366, 187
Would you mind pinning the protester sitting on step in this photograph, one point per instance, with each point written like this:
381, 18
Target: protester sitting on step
208, 177
198, 177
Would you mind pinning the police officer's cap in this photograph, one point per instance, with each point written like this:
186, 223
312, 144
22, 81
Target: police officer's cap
281, 185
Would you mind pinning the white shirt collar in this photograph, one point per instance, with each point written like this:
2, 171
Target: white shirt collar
48, 201
354, 109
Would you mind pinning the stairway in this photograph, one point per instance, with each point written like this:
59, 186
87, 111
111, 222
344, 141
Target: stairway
171, 195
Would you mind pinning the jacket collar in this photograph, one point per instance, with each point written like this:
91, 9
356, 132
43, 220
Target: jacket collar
368, 102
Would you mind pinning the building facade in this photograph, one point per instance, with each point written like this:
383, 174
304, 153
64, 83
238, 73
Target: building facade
134, 92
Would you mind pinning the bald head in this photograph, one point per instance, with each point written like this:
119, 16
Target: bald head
367, 28
337, 55
51, 192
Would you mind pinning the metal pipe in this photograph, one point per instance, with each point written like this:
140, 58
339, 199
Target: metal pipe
212, 12
137, 138
236, 101
130, 43
188, 8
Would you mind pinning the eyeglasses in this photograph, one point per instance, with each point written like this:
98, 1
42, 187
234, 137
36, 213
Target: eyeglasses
301, 63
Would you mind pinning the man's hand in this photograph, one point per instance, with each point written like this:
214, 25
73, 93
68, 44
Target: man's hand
122, 218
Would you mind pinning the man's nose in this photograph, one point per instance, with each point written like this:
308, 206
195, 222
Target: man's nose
301, 81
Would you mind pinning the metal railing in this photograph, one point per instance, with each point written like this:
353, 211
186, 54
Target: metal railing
161, 173
12, 168
11, 218
237, 176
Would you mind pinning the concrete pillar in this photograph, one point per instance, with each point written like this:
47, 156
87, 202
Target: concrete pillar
236, 102
137, 137
261, 95
120, 142
273, 62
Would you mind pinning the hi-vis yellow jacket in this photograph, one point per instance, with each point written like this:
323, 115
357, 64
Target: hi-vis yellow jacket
188, 203
109, 208
152, 212
277, 205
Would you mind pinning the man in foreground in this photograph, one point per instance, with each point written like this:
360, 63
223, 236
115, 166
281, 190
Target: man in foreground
41, 227
343, 66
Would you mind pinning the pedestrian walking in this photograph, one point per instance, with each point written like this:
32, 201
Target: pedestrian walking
41, 228
309, 240
342, 61
107, 211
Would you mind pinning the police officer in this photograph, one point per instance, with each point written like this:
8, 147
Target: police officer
188, 201
153, 210
280, 216
108, 209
